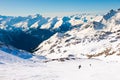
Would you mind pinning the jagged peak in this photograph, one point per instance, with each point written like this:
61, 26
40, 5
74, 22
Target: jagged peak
109, 14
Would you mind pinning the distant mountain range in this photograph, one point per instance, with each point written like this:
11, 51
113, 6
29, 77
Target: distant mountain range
28, 32
57, 37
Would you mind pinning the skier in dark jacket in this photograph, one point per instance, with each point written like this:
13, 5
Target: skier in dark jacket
79, 66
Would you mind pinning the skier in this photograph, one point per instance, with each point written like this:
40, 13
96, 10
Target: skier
79, 66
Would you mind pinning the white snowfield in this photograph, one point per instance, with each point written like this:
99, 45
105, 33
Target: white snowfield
91, 69
88, 52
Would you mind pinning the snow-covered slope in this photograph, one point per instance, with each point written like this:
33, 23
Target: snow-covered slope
100, 38
8, 58
91, 69
14, 51
9, 54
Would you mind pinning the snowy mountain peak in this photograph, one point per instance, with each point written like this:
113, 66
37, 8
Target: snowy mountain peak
110, 14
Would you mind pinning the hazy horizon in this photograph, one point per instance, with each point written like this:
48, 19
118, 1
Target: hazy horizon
55, 7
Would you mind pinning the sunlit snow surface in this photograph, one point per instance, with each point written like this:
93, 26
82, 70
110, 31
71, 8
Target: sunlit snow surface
91, 69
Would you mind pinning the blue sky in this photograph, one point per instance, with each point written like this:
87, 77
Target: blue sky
56, 7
